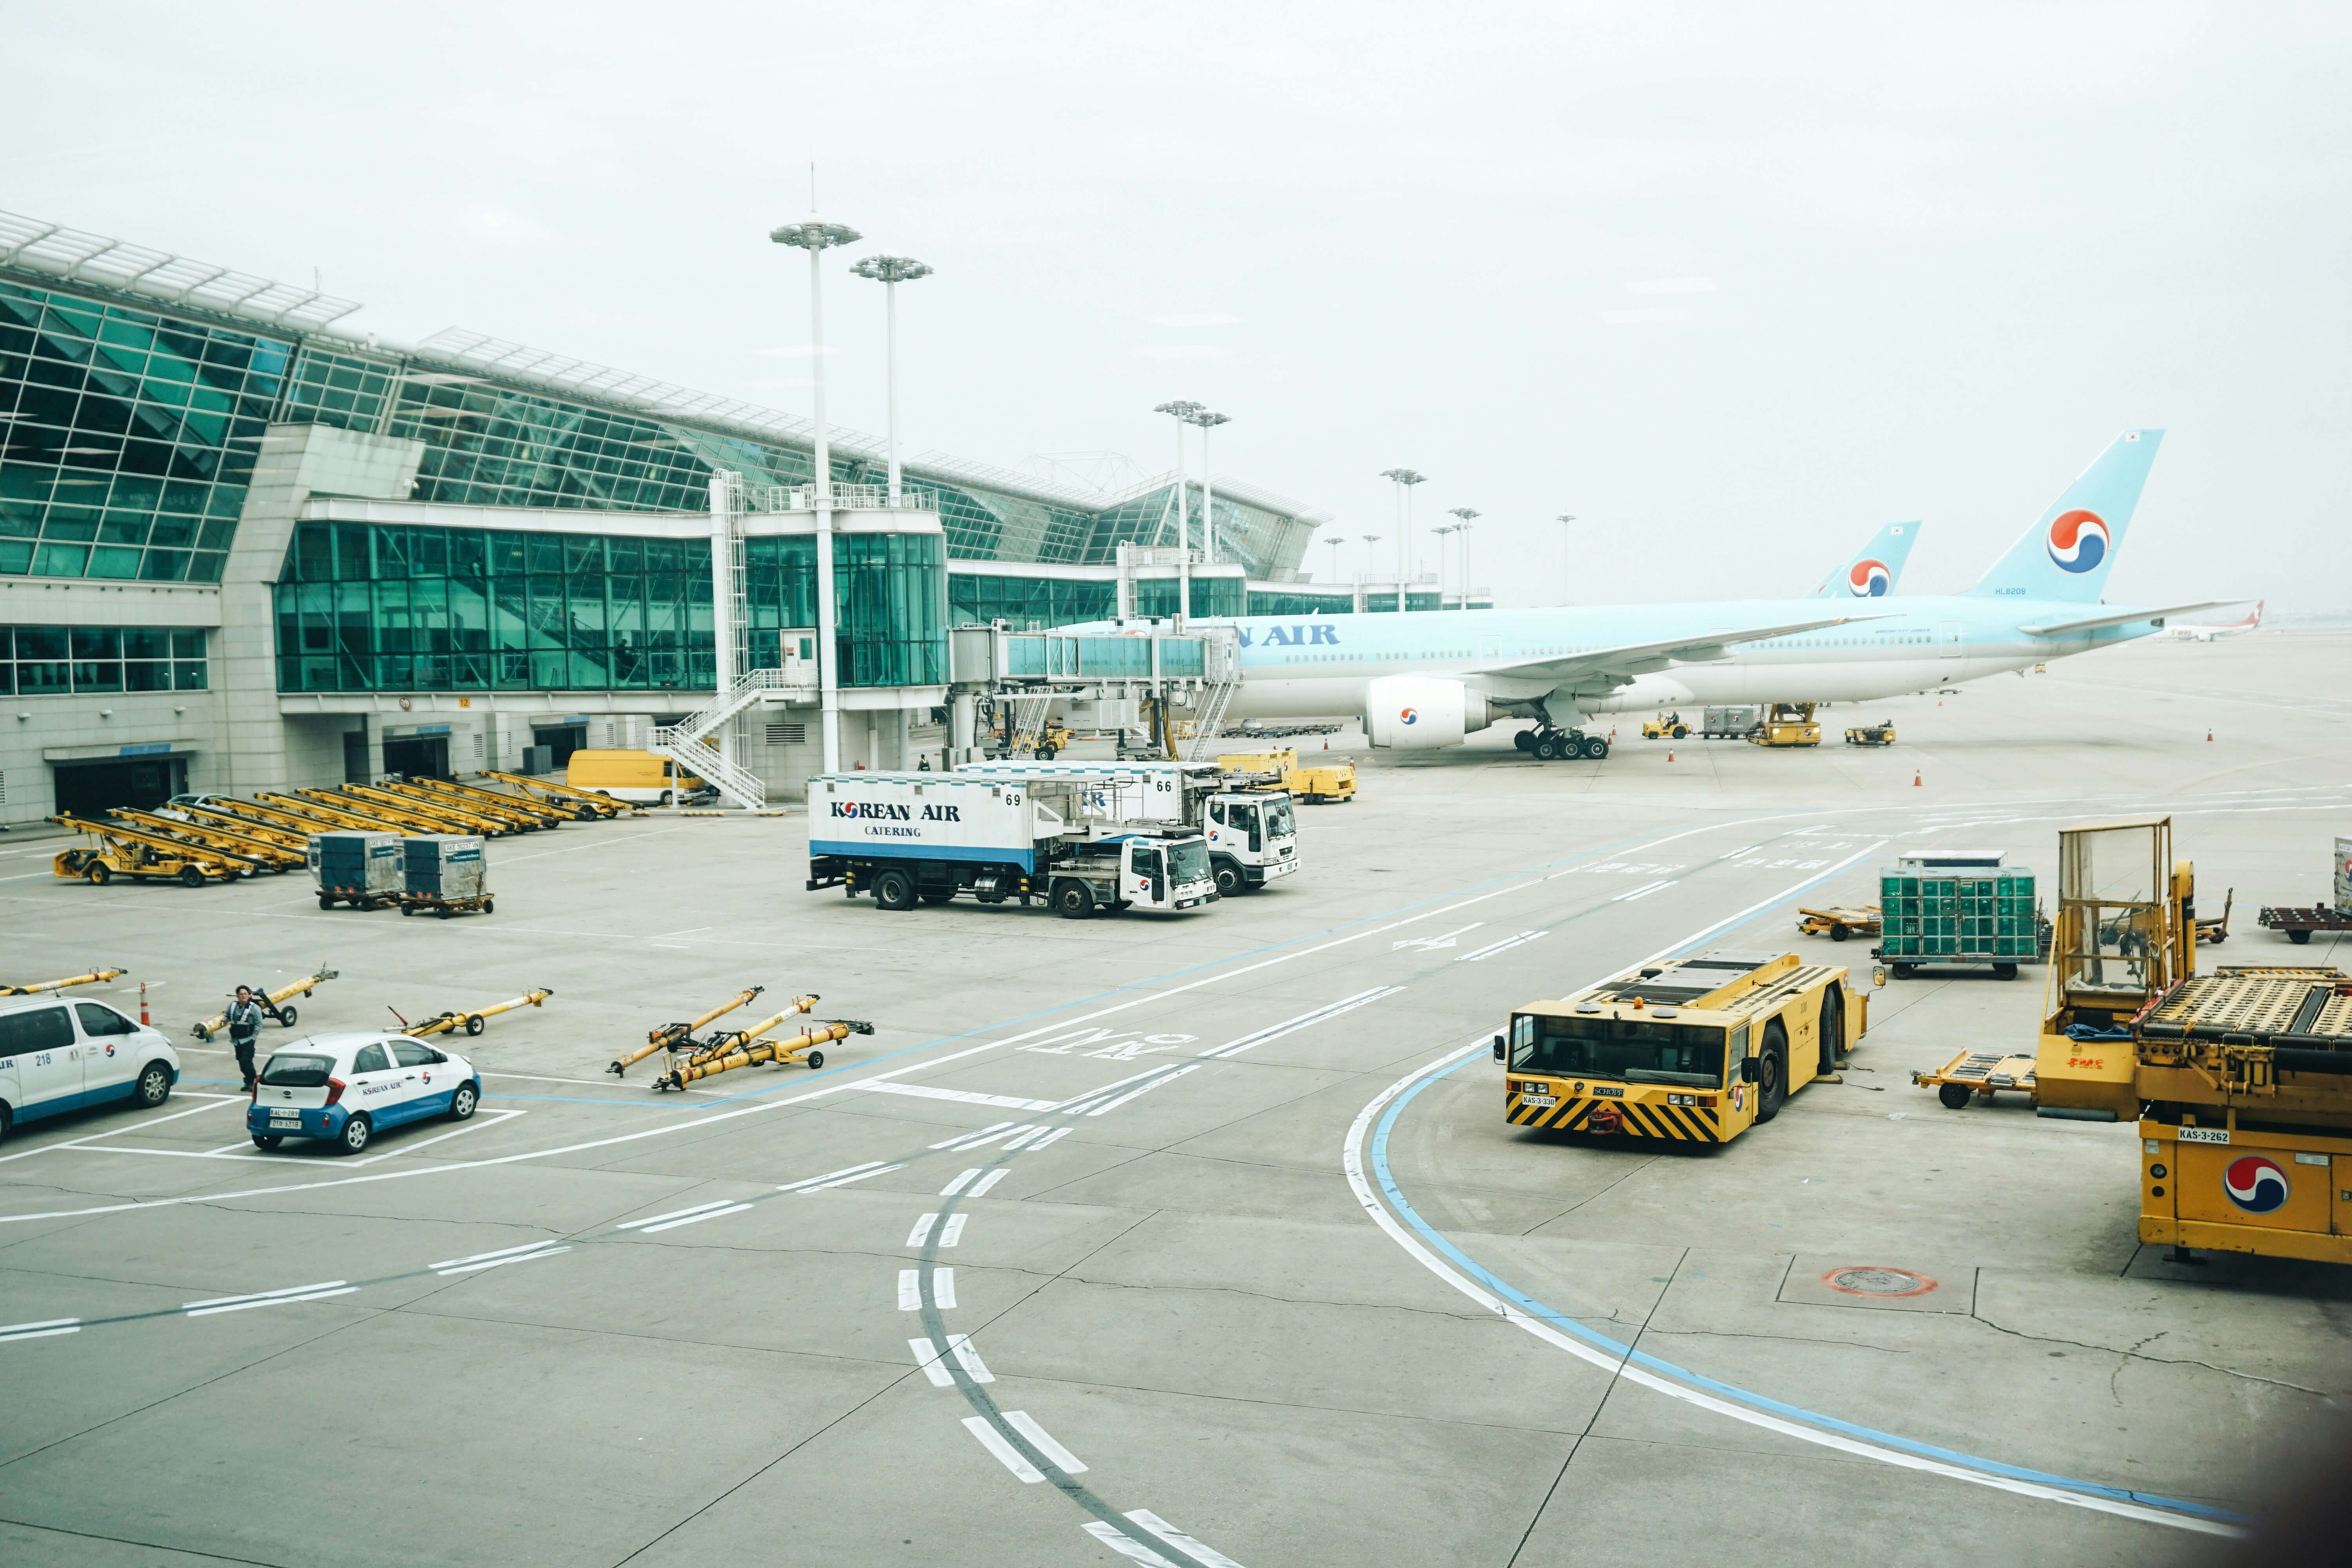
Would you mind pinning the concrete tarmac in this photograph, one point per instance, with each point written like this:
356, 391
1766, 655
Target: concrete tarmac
1193, 1239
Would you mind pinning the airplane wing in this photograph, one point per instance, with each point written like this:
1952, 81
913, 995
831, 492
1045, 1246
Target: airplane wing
2124, 618
1613, 667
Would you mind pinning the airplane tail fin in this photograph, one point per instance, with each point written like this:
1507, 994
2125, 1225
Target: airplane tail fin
1874, 573
2068, 553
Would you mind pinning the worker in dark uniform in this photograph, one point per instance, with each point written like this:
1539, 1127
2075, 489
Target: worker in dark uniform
244, 1025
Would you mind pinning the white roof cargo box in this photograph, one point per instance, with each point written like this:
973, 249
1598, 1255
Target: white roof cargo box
1953, 859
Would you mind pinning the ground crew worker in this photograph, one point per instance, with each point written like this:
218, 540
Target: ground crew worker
244, 1024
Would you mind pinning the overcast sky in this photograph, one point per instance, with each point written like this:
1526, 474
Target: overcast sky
1732, 284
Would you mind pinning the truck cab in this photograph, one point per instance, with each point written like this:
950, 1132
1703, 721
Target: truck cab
1253, 838
1155, 872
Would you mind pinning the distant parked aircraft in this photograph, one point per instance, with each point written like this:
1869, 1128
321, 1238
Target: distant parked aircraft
2207, 634
1873, 573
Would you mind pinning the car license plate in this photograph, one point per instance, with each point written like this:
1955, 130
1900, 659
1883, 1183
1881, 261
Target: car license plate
1539, 1100
1186, 903
285, 1119
2204, 1135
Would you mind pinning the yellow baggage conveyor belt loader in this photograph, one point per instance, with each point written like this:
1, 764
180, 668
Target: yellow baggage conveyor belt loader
119, 849
471, 819
529, 815
265, 854
581, 803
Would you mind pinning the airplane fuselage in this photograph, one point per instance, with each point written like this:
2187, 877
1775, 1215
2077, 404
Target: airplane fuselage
1313, 666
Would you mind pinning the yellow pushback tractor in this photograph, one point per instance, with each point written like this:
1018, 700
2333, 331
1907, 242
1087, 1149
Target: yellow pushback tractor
1693, 1050
2241, 1081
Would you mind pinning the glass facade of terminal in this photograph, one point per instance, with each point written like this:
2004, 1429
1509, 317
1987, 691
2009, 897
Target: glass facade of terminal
389, 607
58, 661
128, 437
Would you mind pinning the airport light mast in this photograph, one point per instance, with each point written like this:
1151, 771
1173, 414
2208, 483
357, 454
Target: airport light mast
1466, 515
1567, 576
816, 236
1369, 540
890, 271
1441, 531
1405, 479
1183, 411
1208, 419
1334, 541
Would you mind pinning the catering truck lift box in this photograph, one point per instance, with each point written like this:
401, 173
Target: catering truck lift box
1692, 1050
2241, 1081
927, 838
1253, 834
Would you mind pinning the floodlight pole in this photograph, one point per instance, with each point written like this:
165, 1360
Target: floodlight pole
1405, 479
890, 271
1334, 541
1208, 420
1567, 575
1183, 411
815, 236
1466, 515
1441, 531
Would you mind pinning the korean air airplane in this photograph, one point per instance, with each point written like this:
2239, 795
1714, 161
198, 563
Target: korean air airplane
1424, 681
1873, 573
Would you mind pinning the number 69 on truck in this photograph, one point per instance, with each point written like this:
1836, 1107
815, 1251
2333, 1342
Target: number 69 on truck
1694, 1050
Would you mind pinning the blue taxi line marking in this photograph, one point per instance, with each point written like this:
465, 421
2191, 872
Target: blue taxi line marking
1560, 1321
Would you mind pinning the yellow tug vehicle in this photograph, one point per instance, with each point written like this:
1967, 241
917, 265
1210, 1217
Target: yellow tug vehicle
2241, 1081
1694, 1050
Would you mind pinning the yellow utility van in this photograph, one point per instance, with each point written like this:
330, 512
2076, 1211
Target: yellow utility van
631, 776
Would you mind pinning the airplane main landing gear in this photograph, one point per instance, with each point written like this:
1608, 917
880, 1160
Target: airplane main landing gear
1549, 745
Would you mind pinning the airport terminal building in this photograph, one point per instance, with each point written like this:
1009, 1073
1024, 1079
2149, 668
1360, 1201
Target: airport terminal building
241, 549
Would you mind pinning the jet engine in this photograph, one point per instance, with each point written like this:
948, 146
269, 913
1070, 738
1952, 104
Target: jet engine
1422, 712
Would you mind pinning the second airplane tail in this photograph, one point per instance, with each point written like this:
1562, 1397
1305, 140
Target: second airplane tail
1873, 573
2068, 553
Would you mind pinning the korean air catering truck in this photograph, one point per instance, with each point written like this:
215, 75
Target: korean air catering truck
1252, 835
1062, 837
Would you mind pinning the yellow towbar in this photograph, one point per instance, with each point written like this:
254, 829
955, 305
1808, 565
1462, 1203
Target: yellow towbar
270, 1004
471, 1021
34, 987
669, 1037
746, 1053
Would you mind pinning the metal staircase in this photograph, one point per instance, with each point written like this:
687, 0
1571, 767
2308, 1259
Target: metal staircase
1025, 715
688, 743
1208, 720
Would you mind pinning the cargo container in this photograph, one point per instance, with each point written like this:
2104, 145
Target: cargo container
1959, 914
363, 869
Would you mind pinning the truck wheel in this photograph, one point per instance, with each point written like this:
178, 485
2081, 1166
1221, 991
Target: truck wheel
1681, 733
1072, 900
1773, 1073
1955, 1096
1228, 880
98, 874
1839, 933
191, 878
2004, 972
1045, 753
2296, 937
894, 890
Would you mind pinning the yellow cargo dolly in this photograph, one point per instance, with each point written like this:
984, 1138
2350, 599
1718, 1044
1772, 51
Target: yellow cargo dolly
35, 987
469, 1022
583, 803
1839, 922
434, 903
1974, 1073
272, 1003
121, 850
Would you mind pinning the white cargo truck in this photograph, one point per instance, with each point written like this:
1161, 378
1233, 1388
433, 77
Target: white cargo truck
921, 837
1252, 835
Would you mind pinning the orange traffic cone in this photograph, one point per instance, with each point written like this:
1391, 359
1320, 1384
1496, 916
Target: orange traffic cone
1670, 756
2209, 735
144, 1022
1914, 780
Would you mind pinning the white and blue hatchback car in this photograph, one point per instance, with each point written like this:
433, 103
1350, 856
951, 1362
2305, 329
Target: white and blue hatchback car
346, 1089
61, 1053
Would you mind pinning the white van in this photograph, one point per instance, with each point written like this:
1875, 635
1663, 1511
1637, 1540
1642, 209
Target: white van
58, 1054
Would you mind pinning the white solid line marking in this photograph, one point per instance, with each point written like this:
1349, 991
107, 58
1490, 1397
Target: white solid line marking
943, 1288
933, 1361
47, 1328
910, 1289
952, 1188
858, 1177
1125, 1545
502, 1262
1643, 889
271, 1302
501, 1252
989, 1181
1019, 1138
969, 1359
1145, 1089
1305, 1020
1503, 946
804, 1182
213, 1102
952, 1231
1064, 1460
1056, 1134
674, 1214
1007, 1454
261, 1295
962, 1096
951, 1142
1012, 1130
922, 1231
1078, 1102
1207, 1556
695, 1218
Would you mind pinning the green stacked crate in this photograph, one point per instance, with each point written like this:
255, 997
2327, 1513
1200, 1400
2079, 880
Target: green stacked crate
1965, 917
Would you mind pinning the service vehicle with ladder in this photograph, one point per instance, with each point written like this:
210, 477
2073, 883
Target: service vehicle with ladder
1064, 837
1694, 1050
